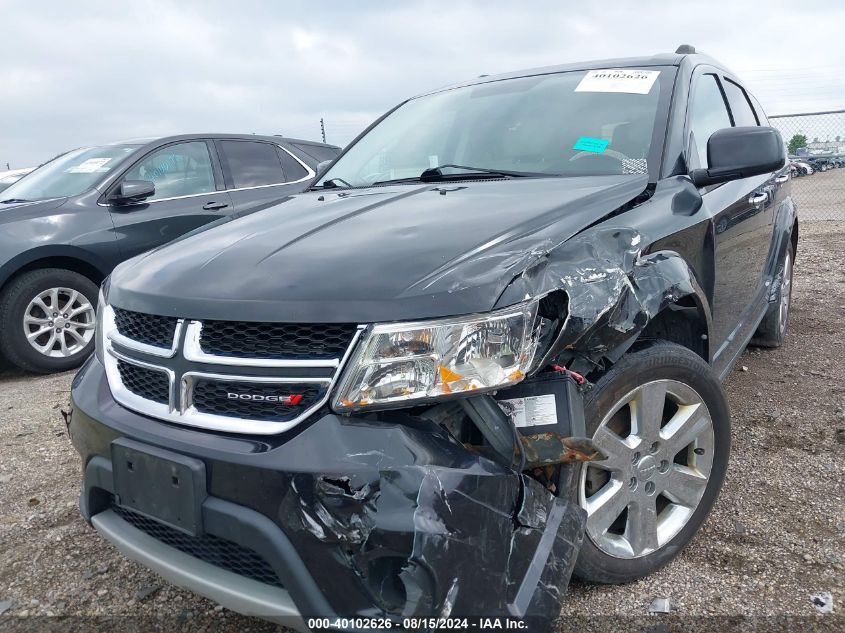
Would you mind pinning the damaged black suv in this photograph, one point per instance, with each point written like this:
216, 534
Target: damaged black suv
483, 350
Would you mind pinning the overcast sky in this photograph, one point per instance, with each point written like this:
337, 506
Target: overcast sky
85, 72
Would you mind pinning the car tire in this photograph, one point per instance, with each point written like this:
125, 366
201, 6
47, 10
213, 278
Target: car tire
34, 307
772, 329
662, 496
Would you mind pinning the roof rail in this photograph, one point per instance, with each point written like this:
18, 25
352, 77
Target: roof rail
685, 49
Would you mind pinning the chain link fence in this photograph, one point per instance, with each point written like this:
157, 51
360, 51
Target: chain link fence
816, 145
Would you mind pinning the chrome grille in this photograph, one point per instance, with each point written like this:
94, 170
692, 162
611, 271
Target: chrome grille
244, 387
146, 383
237, 339
145, 328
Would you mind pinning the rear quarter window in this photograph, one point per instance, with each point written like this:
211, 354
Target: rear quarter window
293, 169
252, 164
318, 152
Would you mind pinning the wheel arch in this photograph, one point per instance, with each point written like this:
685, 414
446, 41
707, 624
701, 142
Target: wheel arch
65, 257
794, 237
683, 323
656, 296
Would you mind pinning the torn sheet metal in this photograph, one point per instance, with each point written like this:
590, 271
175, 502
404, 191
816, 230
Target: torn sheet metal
447, 533
613, 289
524, 555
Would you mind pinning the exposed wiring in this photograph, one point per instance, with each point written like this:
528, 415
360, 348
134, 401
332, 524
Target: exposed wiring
572, 374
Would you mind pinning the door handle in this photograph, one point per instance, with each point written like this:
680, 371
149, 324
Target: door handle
782, 179
214, 206
758, 198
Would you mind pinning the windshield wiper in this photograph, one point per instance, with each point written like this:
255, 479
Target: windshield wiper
434, 174
14, 201
395, 181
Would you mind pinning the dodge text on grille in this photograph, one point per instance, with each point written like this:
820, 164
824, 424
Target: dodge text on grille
291, 399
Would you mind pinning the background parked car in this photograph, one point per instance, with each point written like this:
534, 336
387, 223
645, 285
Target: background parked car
8, 178
823, 163
68, 223
800, 168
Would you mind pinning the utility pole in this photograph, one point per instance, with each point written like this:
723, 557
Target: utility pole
323, 129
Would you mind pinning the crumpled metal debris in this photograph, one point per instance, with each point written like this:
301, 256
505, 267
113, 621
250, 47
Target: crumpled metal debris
823, 602
661, 605
421, 519
614, 290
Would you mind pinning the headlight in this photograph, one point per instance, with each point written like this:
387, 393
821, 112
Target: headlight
400, 363
99, 332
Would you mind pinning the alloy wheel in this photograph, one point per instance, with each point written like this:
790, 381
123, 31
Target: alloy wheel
660, 443
59, 322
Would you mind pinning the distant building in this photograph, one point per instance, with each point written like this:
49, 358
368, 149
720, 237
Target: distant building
826, 147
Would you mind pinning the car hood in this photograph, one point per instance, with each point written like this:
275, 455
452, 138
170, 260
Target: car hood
380, 254
31, 208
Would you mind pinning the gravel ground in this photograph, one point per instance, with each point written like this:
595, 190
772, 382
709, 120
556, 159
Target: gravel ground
819, 196
776, 536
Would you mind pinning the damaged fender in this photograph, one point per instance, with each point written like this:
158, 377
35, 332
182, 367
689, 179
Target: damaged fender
613, 291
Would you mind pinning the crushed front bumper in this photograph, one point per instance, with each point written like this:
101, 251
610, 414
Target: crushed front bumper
349, 517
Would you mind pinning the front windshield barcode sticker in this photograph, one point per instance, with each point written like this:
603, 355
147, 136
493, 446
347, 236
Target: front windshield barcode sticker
618, 80
530, 411
89, 166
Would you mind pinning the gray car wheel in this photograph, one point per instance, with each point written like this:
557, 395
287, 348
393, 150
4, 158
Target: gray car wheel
662, 418
47, 320
643, 495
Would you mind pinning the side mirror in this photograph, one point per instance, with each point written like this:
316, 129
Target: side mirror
130, 191
322, 166
740, 152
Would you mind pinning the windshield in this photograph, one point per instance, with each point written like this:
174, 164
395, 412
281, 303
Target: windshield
7, 179
599, 122
69, 174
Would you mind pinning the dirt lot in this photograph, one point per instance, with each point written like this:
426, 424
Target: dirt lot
777, 534
819, 196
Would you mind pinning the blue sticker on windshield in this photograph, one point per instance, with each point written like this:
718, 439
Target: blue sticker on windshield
590, 144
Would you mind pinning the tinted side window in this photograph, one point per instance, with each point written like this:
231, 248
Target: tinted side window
318, 152
183, 169
707, 114
293, 170
740, 106
252, 164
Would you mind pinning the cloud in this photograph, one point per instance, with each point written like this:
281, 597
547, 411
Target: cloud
90, 72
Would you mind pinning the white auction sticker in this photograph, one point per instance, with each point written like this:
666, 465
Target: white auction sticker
531, 411
89, 166
618, 80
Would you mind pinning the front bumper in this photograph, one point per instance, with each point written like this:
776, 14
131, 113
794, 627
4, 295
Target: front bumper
232, 590
356, 517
